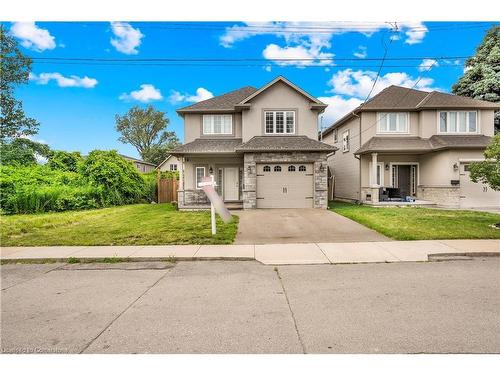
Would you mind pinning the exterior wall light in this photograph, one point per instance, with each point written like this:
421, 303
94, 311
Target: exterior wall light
455, 167
386, 166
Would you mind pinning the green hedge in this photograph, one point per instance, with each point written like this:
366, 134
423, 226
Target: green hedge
103, 179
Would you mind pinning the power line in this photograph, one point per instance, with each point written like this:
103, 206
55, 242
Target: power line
244, 59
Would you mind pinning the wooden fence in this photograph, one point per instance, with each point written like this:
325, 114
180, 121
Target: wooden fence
167, 190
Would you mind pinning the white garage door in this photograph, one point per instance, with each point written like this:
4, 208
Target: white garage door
284, 185
476, 195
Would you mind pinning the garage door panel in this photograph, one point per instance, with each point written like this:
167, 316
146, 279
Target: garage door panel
288, 188
476, 195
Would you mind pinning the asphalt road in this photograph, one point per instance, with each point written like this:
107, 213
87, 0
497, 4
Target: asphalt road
246, 307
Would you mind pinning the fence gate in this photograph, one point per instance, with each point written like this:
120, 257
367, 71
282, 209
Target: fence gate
167, 190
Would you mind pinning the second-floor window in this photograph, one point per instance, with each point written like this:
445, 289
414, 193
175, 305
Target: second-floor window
345, 141
458, 122
393, 122
217, 124
279, 122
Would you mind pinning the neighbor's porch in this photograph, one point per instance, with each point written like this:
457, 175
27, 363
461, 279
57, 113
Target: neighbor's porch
391, 180
227, 171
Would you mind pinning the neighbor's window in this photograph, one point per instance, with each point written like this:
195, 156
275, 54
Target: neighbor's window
173, 167
335, 135
200, 173
458, 122
279, 122
393, 122
345, 141
217, 124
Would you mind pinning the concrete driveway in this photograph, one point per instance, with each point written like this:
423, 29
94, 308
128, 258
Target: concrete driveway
265, 226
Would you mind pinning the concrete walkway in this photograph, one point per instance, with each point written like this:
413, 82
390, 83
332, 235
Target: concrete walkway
277, 226
271, 254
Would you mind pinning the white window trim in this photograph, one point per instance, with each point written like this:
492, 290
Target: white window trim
381, 165
438, 115
347, 149
284, 121
379, 118
196, 176
213, 125
173, 167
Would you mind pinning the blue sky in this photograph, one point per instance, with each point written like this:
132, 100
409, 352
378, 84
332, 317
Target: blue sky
76, 101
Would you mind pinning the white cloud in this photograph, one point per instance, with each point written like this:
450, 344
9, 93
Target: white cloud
427, 64
32, 36
309, 54
416, 32
201, 94
361, 53
358, 83
146, 94
310, 40
338, 106
127, 38
62, 81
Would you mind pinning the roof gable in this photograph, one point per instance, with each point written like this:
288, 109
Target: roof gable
288, 83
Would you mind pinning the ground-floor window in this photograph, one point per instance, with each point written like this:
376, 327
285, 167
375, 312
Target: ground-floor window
200, 173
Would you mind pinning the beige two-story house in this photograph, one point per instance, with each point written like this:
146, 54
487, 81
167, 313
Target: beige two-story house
409, 143
260, 146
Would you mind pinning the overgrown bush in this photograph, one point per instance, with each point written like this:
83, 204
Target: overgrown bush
65, 161
104, 178
117, 177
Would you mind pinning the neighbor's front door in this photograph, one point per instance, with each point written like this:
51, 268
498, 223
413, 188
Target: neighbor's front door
231, 184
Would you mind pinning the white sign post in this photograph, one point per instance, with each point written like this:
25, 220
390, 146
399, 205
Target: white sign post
216, 203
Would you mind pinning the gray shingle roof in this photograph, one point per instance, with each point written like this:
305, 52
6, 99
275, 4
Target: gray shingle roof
208, 146
225, 102
395, 98
422, 145
137, 160
459, 141
284, 143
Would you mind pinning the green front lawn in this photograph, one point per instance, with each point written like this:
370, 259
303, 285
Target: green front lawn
415, 223
138, 224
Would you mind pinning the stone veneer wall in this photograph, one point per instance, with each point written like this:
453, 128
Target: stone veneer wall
189, 198
441, 195
320, 174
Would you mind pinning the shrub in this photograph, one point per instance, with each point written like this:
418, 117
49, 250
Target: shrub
64, 161
116, 176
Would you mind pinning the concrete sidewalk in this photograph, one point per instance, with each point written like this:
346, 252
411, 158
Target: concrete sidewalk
271, 254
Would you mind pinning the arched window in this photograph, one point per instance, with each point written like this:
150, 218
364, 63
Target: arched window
302, 168
291, 168
277, 168
267, 168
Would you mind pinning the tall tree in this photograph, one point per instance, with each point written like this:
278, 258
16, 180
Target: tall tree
146, 130
14, 71
481, 79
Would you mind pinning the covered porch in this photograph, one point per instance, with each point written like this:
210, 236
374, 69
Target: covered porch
391, 179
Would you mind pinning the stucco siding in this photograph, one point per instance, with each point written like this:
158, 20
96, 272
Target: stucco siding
280, 96
172, 160
429, 122
344, 166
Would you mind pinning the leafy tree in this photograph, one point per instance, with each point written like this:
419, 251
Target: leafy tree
481, 79
22, 152
146, 130
14, 71
488, 171
64, 160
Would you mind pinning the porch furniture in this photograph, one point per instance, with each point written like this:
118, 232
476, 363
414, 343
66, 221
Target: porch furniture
383, 195
394, 193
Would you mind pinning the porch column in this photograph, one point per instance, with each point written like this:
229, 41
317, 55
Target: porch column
373, 171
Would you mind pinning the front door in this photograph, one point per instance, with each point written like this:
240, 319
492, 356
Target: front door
231, 184
404, 180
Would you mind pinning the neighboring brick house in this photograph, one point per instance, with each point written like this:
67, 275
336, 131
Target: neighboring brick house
141, 165
414, 143
260, 145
